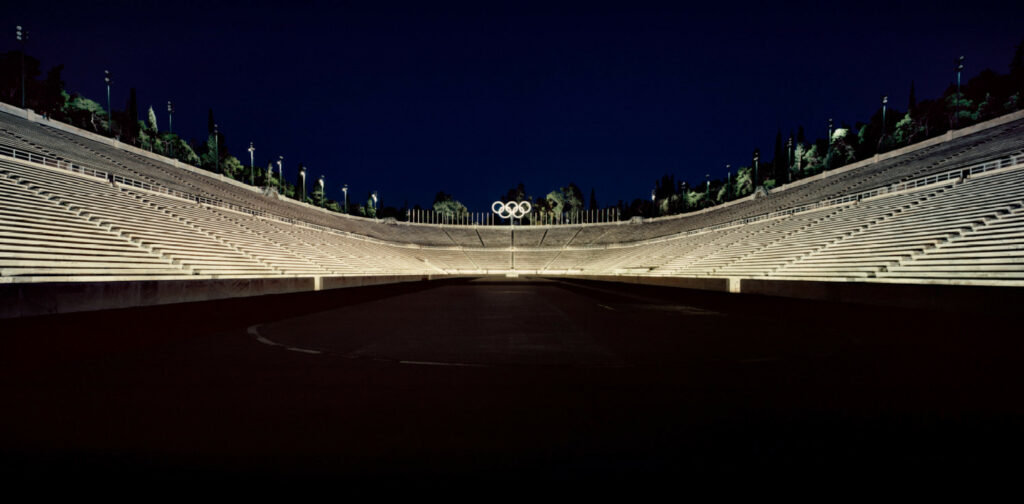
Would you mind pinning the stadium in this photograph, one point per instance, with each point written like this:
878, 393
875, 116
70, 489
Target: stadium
163, 322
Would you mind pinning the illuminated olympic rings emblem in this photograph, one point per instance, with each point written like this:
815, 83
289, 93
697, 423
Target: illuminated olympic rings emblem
517, 209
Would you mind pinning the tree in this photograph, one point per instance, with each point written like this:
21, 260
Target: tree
87, 114
151, 124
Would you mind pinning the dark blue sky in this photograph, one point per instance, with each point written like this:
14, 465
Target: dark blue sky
473, 98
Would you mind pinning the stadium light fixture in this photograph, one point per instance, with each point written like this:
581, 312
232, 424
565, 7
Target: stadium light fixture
216, 148
885, 102
22, 36
757, 162
280, 172
109, 79
789, 159
323, 194
170, 125
959, 68
252, 165
344, 189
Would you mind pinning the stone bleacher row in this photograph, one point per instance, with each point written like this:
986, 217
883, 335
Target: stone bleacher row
61, 226
981, 146
58, 225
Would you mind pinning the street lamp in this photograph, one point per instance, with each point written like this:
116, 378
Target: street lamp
885, 101
344, 189
280, 172
789, 159
302, 180
109, 79
252, 165
375, 203
757, 159
707, 188
170, 125
323, 196
959, 68
22, 36
216, 148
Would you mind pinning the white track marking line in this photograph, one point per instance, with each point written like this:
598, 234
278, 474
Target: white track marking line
303, 350
606, 307
430, 363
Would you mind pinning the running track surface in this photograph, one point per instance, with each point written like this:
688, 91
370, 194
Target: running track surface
452, 382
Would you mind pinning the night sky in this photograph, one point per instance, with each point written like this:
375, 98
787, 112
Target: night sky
474, 98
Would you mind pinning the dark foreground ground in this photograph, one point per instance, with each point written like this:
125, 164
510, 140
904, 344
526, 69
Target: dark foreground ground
480, 382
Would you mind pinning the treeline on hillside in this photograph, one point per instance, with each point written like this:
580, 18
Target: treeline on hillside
48, 96
794, 156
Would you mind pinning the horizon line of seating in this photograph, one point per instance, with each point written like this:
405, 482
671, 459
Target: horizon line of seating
894, 171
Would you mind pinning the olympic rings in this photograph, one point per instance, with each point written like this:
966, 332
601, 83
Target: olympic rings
517, 209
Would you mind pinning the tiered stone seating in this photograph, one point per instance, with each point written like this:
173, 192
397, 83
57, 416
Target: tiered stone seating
42, 240
121, 212
887, 242
801, 234
990, 249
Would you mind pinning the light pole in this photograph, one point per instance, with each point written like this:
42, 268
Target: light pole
344, 189
707, 188
252, 165
757, 159
374, 203
109, 79
302, 180
22, 36
323, 196
789, 159
216, 148
959, 68
885, 101
170, 126
280, 172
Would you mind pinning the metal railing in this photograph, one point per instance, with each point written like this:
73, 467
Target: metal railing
1014, 159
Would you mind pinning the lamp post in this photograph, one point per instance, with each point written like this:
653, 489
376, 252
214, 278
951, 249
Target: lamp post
344, 189
302, 181
109, 79
885, 101
22, 36
170, 126
959, 68
252, 165
280, 172
789, 159
216, 148
757, 160
374, 203
323, 196
707, 188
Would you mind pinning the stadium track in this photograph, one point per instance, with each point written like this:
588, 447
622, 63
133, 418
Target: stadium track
458, 381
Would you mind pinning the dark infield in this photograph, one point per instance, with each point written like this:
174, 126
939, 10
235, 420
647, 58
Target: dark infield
463, 382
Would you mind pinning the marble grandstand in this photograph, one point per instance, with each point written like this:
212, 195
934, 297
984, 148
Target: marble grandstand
76, 207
